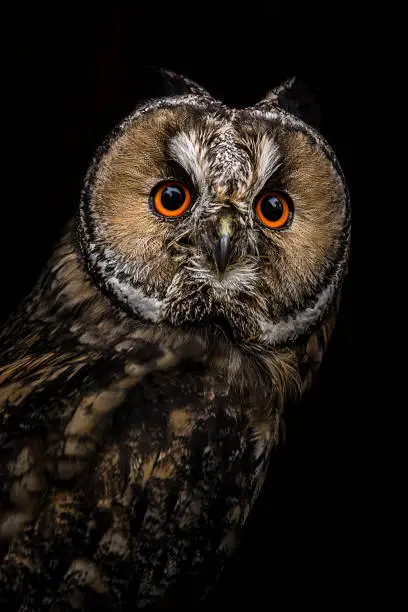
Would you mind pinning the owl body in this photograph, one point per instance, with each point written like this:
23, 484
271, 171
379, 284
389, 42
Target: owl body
143, 381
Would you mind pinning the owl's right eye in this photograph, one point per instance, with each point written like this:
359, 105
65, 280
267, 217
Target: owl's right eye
171, 199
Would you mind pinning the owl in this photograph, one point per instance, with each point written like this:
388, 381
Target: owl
143, 381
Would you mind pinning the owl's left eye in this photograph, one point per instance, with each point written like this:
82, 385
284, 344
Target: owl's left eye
171, 199
274, 210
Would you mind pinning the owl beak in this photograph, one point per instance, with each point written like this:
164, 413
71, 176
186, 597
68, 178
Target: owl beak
222, 248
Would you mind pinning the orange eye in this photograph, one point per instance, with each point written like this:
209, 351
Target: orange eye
172, 199
273, 210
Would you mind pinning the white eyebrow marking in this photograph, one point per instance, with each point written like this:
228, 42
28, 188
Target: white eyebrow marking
223, 159
268, 161
186, 150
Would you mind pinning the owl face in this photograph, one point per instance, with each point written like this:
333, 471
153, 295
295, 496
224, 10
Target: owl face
195, 213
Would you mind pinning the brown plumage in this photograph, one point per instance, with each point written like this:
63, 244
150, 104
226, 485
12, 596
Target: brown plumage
140, 391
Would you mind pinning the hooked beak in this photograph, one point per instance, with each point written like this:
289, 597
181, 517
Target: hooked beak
222, 248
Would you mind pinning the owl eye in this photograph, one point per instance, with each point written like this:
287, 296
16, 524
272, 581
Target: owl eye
171, 199
274, 210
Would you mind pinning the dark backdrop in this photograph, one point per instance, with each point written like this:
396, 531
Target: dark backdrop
67, 79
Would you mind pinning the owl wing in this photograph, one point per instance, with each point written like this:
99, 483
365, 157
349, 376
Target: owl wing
124, 480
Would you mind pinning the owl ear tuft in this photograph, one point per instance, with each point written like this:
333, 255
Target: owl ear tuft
177, 84
280, 91
295, 97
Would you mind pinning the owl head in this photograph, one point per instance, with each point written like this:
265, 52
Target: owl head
193, 213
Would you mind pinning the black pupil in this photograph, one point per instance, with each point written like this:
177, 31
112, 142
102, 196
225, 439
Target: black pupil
173, 197
272, 208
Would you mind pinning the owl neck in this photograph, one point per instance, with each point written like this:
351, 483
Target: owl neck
67, 312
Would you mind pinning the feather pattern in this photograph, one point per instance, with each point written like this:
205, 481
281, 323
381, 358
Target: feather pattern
140, 394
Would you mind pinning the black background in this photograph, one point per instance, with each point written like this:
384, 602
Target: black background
67, 79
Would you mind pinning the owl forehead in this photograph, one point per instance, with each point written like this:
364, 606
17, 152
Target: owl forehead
222, 153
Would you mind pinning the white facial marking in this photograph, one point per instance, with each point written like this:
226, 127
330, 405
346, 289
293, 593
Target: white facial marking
149, 308
298, 324
216, 157
237, 278
186, 150
268, 156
